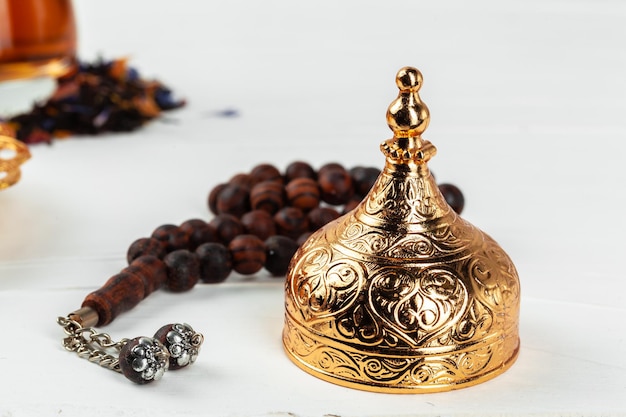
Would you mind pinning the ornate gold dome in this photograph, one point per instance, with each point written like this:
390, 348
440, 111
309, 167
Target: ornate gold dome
401, 294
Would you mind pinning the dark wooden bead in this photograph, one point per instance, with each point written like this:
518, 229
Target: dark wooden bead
234, 199
265, 172
303, 238
188, 226
125, 290
363, 179
268, 196
299, 169
259, 223
145, 246
203, 234
183, 270
245, 180
291, 222
215, 262
151, 270
303, 193
329, 167
335, 184
212, 199
279, 251
120, 293
319, 216
454, 197
143, 360
199, 232
248, 254
226, 227
172, 236
350, 205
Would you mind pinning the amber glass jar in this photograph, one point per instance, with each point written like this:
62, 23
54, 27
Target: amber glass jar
37, 38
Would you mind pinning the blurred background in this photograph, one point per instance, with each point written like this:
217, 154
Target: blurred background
526, 98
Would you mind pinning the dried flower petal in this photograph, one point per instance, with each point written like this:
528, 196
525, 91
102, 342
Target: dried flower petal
94, 98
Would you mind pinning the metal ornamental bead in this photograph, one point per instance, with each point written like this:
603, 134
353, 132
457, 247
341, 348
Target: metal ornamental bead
143, 360
182, 343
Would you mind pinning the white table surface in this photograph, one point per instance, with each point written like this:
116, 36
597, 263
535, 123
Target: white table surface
528, 104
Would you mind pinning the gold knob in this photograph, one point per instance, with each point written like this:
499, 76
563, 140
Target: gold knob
407, 115
13, 153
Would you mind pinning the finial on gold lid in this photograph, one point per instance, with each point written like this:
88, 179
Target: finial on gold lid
402, 294
407, 115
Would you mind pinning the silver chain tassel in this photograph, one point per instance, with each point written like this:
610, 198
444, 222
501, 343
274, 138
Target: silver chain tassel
92, 345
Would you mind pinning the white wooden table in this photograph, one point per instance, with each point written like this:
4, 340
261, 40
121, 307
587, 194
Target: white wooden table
527, 102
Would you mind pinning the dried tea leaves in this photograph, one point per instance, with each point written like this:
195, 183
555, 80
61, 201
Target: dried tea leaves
106, 96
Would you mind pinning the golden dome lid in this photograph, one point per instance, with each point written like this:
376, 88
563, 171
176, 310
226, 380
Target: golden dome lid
401, 294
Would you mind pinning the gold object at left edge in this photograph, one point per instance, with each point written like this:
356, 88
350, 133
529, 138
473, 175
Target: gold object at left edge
402, 295
13, 153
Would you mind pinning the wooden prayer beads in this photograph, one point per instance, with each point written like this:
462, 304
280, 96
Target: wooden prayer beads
259, 222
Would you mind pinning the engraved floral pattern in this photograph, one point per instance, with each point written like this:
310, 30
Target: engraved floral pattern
324, 286
416, 306
409, 199
432, 372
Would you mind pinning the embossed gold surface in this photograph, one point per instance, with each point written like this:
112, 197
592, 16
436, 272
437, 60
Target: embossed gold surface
402, 295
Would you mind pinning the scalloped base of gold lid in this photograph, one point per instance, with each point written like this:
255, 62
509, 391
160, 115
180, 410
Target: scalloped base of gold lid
396, 374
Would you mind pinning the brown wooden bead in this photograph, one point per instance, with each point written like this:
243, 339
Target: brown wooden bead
183, 270
350, 205
145, 246
199, 232
303, 193
291, 222
335, 184
454, 197
120, 293
259, 223
265, 172
151, 270
212, 199
319, 216
244, 180
203, 234
268, 196
303, 238
363, 179
248, 254
299, 169
233, 199
226, 227
172, 236
215, 262
188, 226
329, 167
279, 251
125, 290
